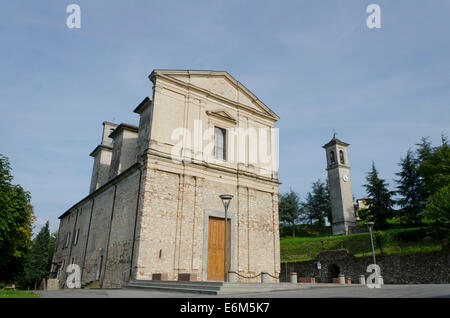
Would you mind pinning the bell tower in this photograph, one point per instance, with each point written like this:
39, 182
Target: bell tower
339, 185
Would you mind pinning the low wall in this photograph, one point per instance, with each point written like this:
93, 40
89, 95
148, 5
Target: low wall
419, 268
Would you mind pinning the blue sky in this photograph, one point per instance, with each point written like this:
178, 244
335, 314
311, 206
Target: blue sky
315, 63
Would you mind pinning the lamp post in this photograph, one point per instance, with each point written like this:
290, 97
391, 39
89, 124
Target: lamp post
226, 199
370, 226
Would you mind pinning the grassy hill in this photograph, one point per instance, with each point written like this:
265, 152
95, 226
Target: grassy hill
393, 241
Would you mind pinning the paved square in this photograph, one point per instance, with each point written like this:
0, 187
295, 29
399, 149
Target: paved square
387, 291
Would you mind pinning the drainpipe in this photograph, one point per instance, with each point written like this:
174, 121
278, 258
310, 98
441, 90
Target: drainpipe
87, 239
109, 237
73, 236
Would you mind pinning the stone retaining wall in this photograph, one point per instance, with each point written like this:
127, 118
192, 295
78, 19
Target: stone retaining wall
419, 268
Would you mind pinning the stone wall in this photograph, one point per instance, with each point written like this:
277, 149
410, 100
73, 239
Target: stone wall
419, 268
173, 220
105, 222
120, 241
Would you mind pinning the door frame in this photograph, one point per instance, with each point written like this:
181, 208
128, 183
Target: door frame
232, 249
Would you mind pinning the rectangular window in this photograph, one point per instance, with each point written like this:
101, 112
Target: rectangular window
60, 268
64, 241
220, 143
66, 244
75, 238
99, 270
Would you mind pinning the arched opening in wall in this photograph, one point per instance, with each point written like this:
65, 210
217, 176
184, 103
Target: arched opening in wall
332, 157
341, 156
333, 271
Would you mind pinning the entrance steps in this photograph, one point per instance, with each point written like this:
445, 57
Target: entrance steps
211, 288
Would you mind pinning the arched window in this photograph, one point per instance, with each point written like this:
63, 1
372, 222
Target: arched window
332, 158
341, 156
334, 271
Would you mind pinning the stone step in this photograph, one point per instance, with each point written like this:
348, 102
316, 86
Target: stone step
176, 284
183, 289
214, 288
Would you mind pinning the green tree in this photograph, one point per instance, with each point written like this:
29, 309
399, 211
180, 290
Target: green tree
328, 210
410, 188
51, 248
16, 217
307, 208
424, 149
379, 238
37, 261
380, 203
289, 209
317, 204
438, 209
435, 169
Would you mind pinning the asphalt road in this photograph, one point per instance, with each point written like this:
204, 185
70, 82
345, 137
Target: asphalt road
387, 291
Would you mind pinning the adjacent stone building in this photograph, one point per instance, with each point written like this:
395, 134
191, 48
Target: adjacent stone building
153, 205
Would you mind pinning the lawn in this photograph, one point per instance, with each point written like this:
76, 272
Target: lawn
396, 241
10, 293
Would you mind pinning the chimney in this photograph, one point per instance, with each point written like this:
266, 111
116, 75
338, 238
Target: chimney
102, 158
145, 111
124, 143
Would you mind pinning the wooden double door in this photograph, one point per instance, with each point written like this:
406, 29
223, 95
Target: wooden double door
216, 248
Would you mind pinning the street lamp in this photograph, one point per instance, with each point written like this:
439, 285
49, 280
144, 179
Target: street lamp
370, 226
226, 199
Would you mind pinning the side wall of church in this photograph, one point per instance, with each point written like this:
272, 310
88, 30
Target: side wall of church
122, 229
106, 223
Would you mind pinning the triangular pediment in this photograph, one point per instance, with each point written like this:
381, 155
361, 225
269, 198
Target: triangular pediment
221, 114
219, 83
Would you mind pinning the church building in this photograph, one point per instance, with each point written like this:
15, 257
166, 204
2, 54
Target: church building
153, 210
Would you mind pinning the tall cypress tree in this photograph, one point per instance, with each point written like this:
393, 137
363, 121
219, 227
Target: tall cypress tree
381, 203
423, 152
424, 149
435, 169
289, 209
37, 263
410, 188
317, 205
438, 210
327, 193
307, 208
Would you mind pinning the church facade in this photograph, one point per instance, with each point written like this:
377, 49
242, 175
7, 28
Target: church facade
154, 209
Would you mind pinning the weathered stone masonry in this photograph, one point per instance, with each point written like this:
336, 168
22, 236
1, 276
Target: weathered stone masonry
418, 268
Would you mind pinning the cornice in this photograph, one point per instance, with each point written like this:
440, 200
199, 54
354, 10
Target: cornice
104, 147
